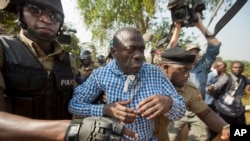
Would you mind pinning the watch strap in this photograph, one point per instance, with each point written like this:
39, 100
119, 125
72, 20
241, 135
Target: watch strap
73, 130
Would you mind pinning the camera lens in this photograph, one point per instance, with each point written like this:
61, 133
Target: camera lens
179, 13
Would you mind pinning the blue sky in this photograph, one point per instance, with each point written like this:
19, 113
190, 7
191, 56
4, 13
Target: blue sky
234, 36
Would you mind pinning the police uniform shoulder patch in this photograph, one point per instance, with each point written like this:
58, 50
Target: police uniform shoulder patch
191, 85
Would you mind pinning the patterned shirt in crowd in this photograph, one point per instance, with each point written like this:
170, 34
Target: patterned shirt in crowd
150, 80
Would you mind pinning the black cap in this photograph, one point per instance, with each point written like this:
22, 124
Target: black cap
177, 55
10, 5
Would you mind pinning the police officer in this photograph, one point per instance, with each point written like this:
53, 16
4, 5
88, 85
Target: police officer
36, 74
101, 60
176, 63
87, 66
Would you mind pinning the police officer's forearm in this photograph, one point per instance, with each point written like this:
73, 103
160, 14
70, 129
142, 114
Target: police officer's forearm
17, 128
212, 120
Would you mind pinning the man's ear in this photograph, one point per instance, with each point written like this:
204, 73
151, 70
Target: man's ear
113, 51
164, 66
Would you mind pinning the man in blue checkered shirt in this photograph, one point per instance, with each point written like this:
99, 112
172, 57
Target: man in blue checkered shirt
136, 92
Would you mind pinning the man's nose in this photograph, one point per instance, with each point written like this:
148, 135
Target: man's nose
138, 54
186, 74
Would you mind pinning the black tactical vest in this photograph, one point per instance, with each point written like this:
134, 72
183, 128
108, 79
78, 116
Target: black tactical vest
32, 91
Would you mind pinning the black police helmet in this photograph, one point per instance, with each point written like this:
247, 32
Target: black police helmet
101, 57
11, 5
85, 54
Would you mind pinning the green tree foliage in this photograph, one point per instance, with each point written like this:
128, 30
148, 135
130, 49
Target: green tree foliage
8, 23
104, 17
247, 68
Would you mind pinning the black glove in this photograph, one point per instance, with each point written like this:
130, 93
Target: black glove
94, 129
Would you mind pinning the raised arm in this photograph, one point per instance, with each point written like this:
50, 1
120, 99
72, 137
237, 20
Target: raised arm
213, 41
175, 37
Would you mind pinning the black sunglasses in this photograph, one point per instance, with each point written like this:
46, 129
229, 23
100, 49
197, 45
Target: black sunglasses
39, 11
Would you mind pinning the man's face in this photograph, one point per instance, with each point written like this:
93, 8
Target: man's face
221, 68
101, 60
237, 69
86, 61
129, 52
177, 73
42, 21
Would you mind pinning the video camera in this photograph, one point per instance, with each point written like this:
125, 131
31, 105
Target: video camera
184, 11
65, 38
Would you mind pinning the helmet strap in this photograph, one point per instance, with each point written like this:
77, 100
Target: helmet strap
35, 35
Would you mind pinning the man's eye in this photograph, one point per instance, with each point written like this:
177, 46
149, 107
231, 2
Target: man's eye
57, 18
130, 51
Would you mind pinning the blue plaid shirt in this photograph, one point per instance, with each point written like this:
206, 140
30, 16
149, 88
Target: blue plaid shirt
109, 79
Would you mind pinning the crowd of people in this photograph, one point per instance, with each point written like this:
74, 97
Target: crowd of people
44, 96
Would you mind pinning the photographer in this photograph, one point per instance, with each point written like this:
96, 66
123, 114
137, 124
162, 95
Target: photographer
198, 76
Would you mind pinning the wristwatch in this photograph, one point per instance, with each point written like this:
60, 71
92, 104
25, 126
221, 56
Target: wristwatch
73, 130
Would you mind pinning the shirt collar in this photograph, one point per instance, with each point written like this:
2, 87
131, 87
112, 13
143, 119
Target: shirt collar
234, 77
36, 49
215, 72
114, 68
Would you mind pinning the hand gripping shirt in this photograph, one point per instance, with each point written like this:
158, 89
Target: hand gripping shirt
148, 81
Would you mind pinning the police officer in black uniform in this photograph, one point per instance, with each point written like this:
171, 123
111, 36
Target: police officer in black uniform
101, 60
36, 74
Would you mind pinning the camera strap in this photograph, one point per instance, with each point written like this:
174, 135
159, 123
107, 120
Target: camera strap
226, 17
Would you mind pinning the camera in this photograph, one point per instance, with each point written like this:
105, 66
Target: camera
184, 11
64, 37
